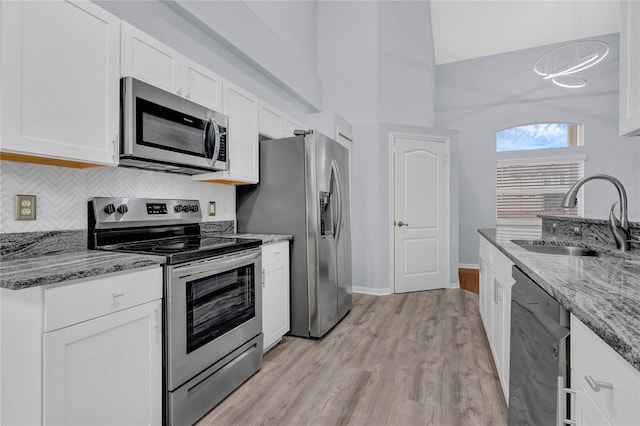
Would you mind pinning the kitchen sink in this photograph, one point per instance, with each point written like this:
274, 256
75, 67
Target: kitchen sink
541, 247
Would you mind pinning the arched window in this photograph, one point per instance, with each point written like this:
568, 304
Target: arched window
529, 185
538, 136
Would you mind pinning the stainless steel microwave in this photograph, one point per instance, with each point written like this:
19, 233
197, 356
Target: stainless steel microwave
165, 132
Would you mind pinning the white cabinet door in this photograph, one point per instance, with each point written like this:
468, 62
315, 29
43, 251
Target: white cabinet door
147, 59
506, 347
60, 82
498, 332
242, 138
585, 411
275, 293
608, 379
242, 109
202, 86
271, 121
495, 307
290, 125
106, 371
630, 68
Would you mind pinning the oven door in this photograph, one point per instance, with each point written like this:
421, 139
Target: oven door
213, 307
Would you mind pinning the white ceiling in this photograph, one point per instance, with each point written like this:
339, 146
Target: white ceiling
466, 29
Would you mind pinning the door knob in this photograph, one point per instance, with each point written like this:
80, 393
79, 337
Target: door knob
401, 224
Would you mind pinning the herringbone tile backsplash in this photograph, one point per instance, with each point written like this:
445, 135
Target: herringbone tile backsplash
62, 193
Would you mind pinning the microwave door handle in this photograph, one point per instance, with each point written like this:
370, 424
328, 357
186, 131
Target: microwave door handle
211, 154
205, 141
216, 138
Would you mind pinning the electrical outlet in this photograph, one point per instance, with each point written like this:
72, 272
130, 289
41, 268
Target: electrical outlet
25, 207
212, 208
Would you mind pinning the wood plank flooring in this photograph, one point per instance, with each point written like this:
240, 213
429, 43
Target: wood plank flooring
405, 359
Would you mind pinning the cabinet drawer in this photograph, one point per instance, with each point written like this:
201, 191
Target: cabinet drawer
70, 304
611, 382
486, 250
502, 266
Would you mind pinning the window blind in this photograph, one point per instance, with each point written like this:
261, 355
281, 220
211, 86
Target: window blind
526, 189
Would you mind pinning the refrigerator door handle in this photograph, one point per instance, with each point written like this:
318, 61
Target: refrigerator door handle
336, 173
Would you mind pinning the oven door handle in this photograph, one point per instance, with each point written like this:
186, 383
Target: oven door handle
215, 266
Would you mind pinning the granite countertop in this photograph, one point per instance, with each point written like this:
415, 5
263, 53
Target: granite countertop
266, 238
23, 273
602, 292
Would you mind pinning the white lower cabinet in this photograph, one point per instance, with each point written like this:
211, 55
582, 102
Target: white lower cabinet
275, 293
605, 385
105, 371
87, 352
495, 307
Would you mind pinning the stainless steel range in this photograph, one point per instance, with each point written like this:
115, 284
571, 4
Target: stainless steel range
212, 297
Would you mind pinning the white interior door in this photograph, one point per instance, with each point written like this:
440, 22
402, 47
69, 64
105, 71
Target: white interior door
421, 193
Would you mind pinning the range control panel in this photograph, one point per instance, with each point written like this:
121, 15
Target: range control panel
115, 211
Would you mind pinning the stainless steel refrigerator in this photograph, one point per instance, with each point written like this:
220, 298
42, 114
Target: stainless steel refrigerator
304, 191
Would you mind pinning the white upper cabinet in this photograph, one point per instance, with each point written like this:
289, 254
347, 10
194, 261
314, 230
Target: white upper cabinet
201, 85
271, 121
290, 125
149, 60
630, 68
60, 83
276, 124
242, 138
145, 58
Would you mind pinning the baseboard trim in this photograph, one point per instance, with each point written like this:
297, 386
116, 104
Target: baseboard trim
372, 291
468, 266
454, 285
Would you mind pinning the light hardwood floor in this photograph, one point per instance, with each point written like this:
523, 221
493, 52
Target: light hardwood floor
409, 359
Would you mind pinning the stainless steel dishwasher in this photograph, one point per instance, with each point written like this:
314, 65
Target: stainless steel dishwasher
539, 354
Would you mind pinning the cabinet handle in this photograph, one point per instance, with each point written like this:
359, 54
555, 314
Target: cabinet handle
263, 278
562, 404
596, 385
277, 252
118, 294
116, 148
496, 287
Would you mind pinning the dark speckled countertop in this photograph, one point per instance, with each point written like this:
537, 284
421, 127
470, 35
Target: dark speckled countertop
266, 238
602, 292
32, 259
37, 271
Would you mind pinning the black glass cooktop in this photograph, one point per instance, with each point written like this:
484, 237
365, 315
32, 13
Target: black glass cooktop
187, 248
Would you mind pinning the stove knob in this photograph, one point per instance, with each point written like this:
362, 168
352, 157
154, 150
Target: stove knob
122, 208
177, 208
109, 209
194, 208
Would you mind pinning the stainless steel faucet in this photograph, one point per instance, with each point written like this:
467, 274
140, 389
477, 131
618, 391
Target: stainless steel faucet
619, 228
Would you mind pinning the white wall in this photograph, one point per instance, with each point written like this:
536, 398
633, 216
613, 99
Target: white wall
481, 96
347, 58
376, 61
405, 63
270, 67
